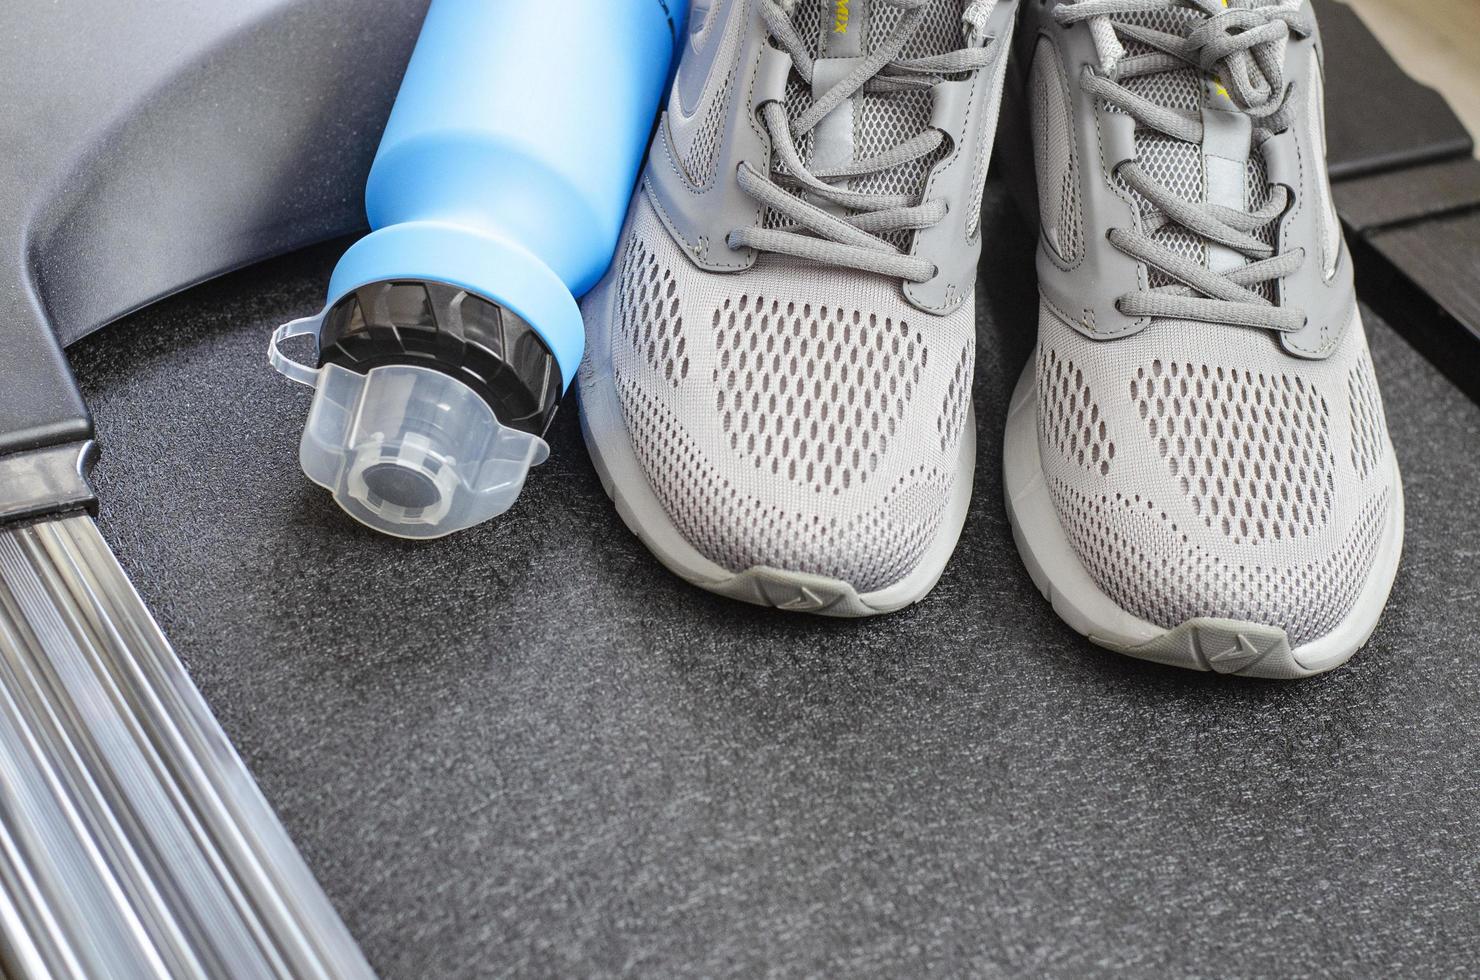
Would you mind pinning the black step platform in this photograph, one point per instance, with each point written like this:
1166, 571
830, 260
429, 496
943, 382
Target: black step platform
1407, 187
1377, 117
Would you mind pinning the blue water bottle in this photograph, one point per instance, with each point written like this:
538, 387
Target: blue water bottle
496, 198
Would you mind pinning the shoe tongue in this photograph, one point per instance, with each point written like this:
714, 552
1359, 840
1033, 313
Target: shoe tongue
1180, 89
1179, 166
845, 28
839, 31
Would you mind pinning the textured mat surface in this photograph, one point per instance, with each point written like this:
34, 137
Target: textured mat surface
528, 749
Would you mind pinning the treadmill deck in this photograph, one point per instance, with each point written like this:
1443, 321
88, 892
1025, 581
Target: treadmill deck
528, 748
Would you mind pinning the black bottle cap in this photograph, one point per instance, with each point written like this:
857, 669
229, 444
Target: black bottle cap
435, 325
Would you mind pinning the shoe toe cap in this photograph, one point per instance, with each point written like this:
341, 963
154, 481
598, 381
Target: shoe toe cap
742, 516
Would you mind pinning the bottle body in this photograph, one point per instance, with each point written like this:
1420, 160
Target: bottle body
496, 198
522, 124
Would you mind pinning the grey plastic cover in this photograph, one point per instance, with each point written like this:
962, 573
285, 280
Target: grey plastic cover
146, 145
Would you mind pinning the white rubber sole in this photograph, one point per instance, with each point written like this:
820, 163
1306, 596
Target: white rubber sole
1221, 645
626, 483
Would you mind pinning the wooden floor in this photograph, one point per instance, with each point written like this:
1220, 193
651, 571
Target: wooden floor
1437, 42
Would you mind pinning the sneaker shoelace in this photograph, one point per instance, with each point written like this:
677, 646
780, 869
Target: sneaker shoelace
1242, 47
852, 238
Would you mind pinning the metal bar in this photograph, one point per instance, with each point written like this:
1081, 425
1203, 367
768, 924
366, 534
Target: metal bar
133, 841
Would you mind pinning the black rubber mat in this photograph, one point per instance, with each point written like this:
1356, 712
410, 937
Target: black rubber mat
529, 749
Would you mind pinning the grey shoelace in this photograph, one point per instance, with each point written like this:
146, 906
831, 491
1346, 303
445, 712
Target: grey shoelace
852, 239
1231, 42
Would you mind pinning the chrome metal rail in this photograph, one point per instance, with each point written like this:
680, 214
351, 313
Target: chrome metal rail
133, 841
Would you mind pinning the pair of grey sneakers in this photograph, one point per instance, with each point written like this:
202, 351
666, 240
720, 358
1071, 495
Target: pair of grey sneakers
777, 391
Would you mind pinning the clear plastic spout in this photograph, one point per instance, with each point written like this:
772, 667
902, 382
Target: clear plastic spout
412, 452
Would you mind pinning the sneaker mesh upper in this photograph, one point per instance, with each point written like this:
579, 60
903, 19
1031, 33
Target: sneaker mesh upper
795, 416
1199, 472
883, 119
791, 416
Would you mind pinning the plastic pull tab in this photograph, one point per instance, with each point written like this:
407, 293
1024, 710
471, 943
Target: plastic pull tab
285, 365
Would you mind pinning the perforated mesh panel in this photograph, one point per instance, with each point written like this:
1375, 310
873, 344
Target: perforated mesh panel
1368, 426
885, 119
798, 101
1174, 164
1057, 159
648, 313
807, 17
1258, 192
808, 21
1177, 166
939, 32
813, 394
881, 120
1250, 450
1181, 90
1069, 416
703, 156
953, 412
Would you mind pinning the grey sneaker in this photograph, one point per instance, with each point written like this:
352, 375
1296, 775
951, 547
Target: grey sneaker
1197, 464
777, 390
